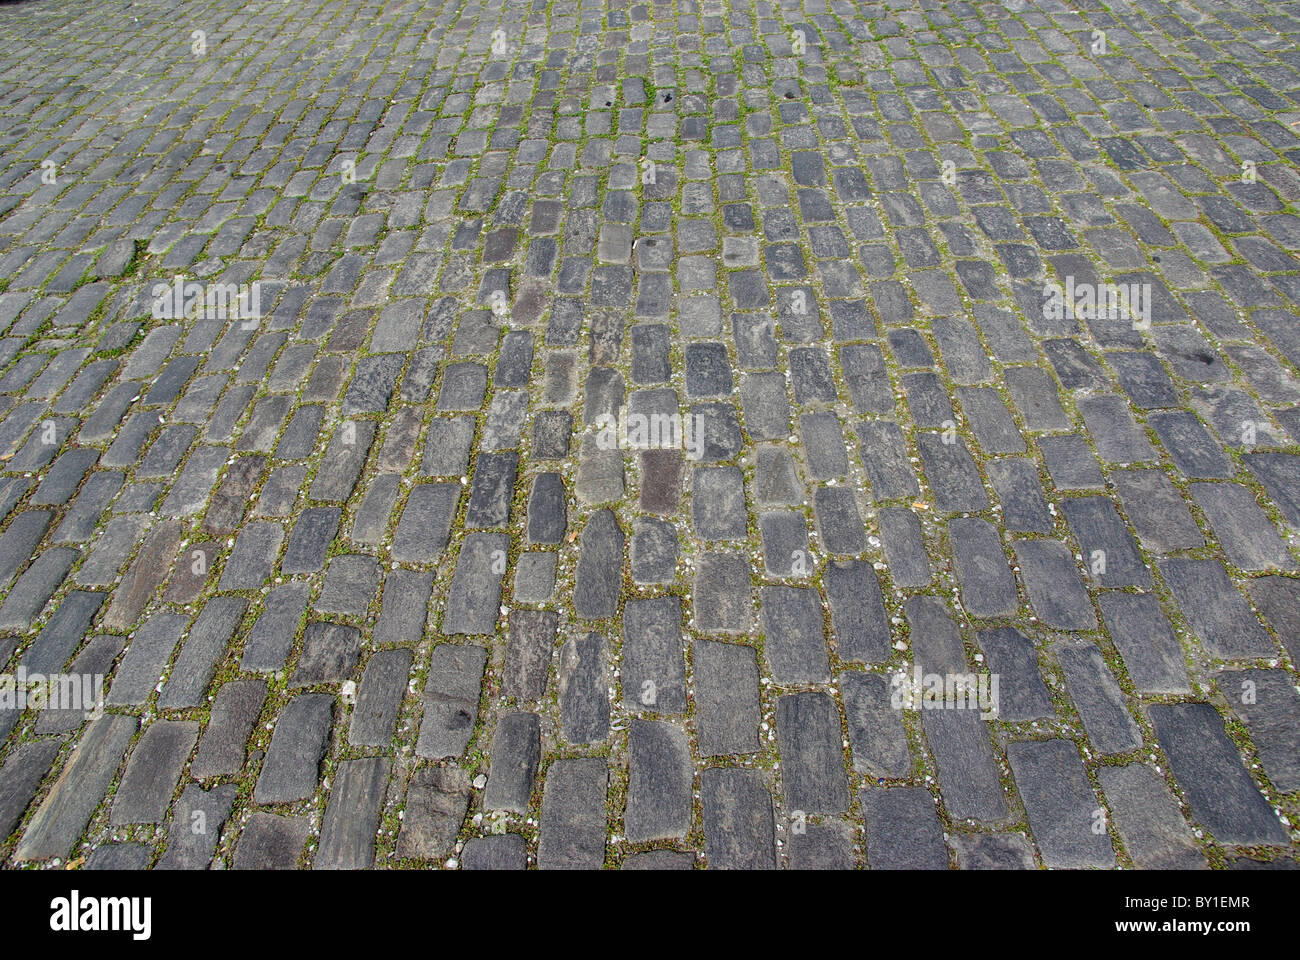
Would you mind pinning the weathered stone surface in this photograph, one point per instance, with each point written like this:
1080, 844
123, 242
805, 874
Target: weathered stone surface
573, 828
739, 831
516, 752
451, 695
347, 836
291, 768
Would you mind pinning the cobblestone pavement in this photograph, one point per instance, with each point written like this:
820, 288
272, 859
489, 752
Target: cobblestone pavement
638, 405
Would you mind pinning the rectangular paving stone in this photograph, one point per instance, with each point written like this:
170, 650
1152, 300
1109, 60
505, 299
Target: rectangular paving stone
1215, 610
903, 830
21, 776
209, 637
425, 523
437, 799
1060, 804
1109, 552
1268, 704
1157, 511
235, 709
1052, 580
1205, 762
1148, 820
516, 752
653, 667
573, 828
451, 696
876, 734
988, 588
808, 736
530, 645
1097, 696
739, 830
347, 837
794, 635
271, 842
66, 810
474, 595
153, 771
660, 777
1244, 531
146, 656
291, 767
726, 696
1151, 653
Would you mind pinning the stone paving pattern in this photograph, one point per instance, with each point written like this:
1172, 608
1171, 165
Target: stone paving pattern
365, 587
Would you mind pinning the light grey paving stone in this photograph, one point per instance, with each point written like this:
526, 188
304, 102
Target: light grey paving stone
653, 551
451, 696
808, 736
935, 640
21, 776
145, 659
1148, 820
859, 623
197, 819
584, 702
405, 607
1020, 493
62, 633
573, 828
653, 666
988, 587
271, 842
726, 697
67, 808
379, 697
120, 856
271, 636
504, 852
516, 752
876, 733
530, 644
904, 547
1244, 531
1152, 655
903, 829
1205, 762
425, 523
993, 851
223, 748
739, 830
1158, 512
1111, 427
437, 800
959, 743
535, 576
474, 596
1268, 704
347, 836
205, 647
1010, 655
824, 846
1097, 696
1109, 551
291, 768
794, 635
951, 472
1217, 613
718, 503
250, 562
1051, 578
883, 450
599, 573
1060, 804
660, 777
